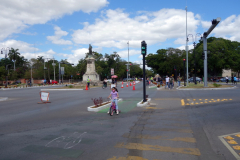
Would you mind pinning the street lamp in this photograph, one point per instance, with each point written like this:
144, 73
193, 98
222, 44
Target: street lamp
204, 39
6, 51
128, 61
194, 55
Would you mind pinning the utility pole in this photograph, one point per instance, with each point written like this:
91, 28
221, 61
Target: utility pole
128, 61
186, 46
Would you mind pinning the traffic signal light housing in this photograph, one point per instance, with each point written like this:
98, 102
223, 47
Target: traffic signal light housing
203, 55
143, 48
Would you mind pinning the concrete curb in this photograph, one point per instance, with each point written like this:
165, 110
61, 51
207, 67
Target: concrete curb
100, 108
207, 88
139, 104
160, 88
61, 89
3, 98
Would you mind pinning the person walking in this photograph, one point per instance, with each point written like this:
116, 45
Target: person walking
227, 79
232, 79
179, 81
235, 80
160, 80
167, 81
171, 81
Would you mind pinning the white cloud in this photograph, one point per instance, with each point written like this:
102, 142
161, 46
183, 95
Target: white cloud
22, 46
124, 54
76, 55
116, 28
18, 15
229, 28
56, 39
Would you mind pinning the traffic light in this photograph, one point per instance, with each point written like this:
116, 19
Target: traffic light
203, 55
143, 48
184, 60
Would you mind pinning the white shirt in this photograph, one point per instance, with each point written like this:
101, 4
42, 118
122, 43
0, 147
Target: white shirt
167, 79
226, 77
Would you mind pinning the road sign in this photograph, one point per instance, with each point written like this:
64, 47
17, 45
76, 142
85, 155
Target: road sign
62, 70
112, 71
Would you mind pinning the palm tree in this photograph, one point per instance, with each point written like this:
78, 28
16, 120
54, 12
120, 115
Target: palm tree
13, 55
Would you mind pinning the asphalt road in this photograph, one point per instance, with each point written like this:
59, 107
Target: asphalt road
178, 124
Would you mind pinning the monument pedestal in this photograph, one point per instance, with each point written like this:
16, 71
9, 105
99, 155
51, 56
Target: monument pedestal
91, 73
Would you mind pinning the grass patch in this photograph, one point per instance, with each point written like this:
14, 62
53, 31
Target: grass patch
210, 85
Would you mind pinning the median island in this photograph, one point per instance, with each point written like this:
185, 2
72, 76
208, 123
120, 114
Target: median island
210, 85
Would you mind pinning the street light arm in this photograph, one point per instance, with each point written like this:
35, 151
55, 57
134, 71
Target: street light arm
214, 24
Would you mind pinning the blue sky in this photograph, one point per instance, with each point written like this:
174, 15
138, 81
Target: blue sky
64, 29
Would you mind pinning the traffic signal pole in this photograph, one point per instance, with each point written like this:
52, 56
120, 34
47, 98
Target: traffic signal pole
204, 38
144, 52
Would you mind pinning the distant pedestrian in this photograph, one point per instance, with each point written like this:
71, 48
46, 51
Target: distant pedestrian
156, 79
179, 81
171, 81
167, 81
160, 80
232, 79
88, 83
227, 79
235, 80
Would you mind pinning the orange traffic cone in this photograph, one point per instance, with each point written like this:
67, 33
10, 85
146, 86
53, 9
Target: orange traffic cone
86, 87
133, 82
122, 86
133, 87
127, 85
130, 84
122, 82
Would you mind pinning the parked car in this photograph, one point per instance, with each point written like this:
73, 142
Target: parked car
17, 82
54, 82
197, 79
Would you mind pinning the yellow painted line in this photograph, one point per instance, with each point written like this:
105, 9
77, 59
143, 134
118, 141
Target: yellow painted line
187, 103
228, 137
128, 158
127, 135
170, 129
194, 99
237, 135
201, 102
232, 142
206, 102
184, 139
218, 99
182, 102
206, 99
236, 147
230, 99
188, 99
196, 103
192, 103
212, 99
146, 147
200, 99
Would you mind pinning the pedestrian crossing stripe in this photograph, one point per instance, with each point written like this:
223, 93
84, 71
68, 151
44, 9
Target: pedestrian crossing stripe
201, 101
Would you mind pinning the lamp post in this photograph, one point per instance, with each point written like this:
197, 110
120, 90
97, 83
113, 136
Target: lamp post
186, 47
194, 56
6, 51
128, 61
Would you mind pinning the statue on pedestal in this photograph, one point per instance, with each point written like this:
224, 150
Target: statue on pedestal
91, 71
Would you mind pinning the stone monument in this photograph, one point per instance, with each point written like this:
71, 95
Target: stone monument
91, 71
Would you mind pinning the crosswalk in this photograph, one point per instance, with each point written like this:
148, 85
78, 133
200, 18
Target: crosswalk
165, 135
187, 102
